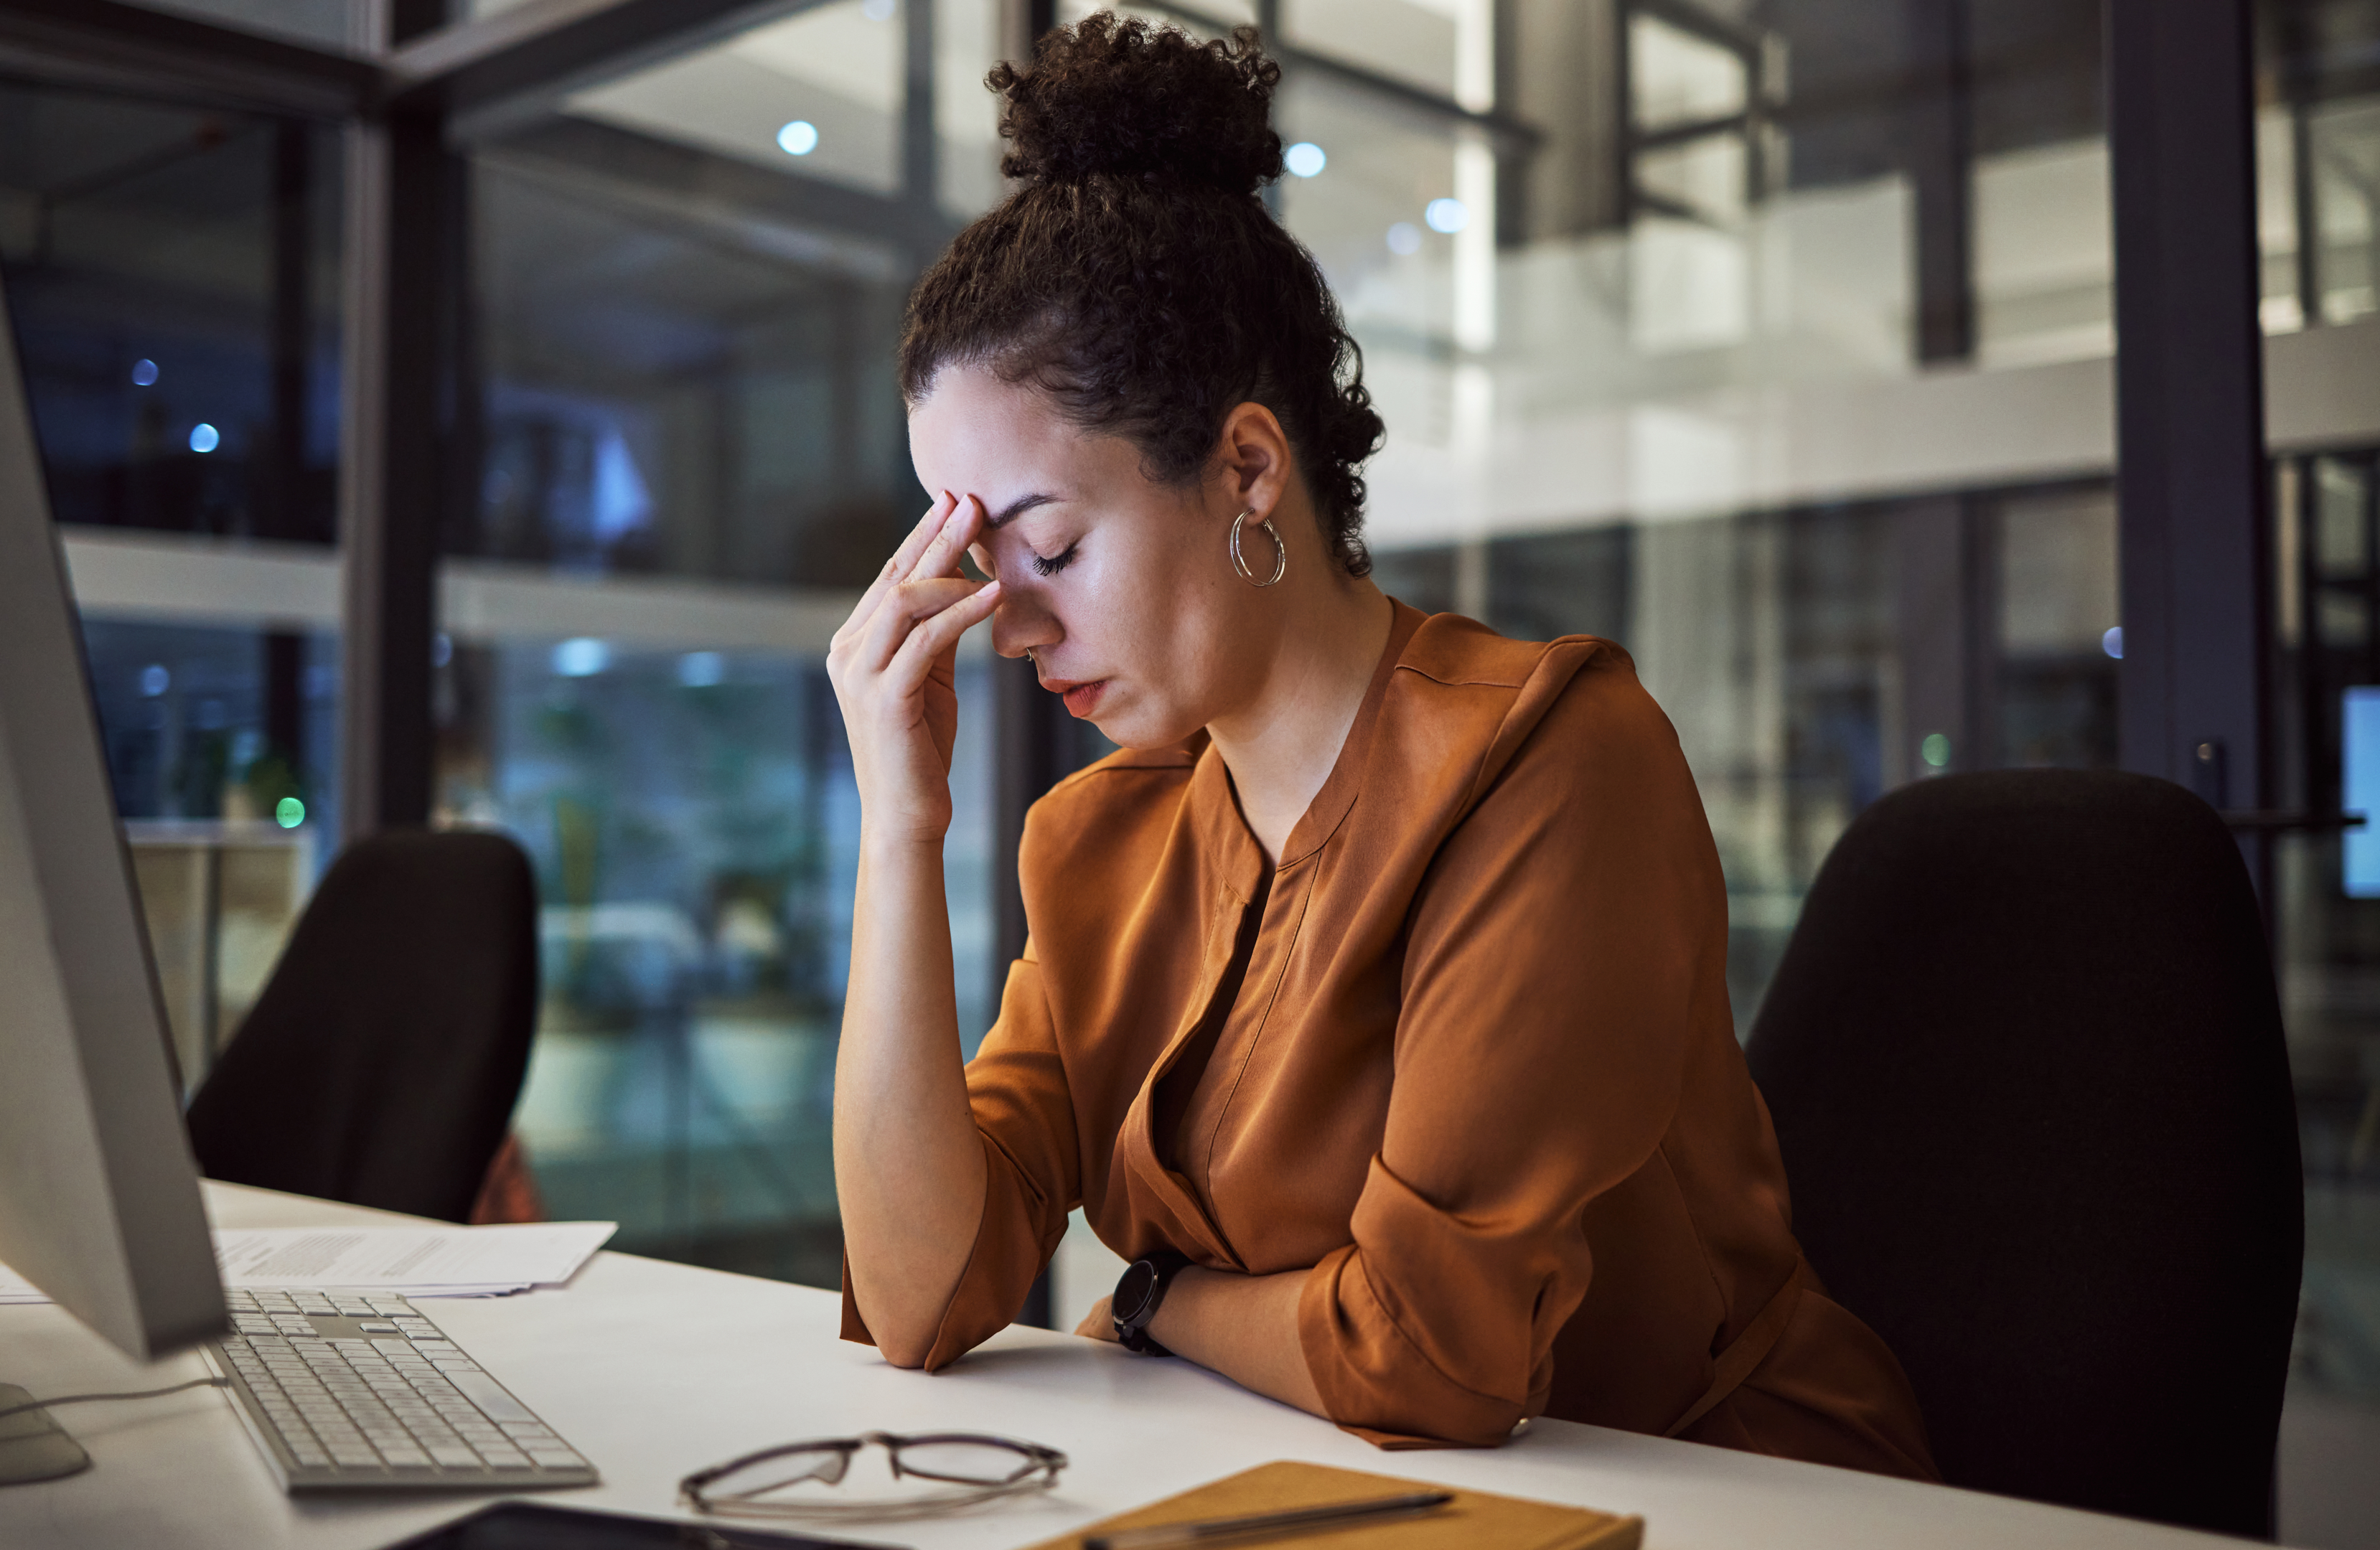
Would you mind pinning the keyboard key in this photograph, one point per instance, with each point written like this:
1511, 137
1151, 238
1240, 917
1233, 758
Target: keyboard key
556, 1459
490, 1396
453, 1455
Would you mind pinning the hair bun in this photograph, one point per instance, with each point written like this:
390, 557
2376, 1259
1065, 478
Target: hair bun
1124, 98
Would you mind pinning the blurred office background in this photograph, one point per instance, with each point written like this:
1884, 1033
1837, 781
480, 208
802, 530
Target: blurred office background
1771, 338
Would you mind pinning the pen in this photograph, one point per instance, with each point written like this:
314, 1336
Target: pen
1265, 1524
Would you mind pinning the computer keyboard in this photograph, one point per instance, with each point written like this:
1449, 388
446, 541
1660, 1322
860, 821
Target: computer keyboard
347, 1390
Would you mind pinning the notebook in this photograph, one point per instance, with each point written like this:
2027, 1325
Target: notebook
1475, 1519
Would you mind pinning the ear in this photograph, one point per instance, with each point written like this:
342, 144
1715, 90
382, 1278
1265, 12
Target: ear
1254, 460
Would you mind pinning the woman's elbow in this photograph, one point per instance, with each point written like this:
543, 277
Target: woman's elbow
902, 1336
904, 1350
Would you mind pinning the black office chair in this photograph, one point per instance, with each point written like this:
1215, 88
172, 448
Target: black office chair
2026, 1062
381, 1065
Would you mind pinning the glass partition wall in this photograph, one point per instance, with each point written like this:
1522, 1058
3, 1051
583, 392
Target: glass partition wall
1769, 338
685, 285
172, 278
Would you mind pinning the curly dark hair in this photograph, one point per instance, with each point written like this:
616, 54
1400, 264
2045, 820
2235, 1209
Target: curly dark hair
1136, 278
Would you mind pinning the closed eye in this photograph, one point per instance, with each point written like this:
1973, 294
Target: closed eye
1052, 565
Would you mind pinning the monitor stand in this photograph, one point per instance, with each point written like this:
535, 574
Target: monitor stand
33, 1446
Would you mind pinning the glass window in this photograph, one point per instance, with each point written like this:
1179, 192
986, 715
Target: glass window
694, 824
1426, 42
1662, 381
1365, 211
967, 39
2319, 166
173, 279
692, 455
1676, 77
673, 385
821, 89
2060, 632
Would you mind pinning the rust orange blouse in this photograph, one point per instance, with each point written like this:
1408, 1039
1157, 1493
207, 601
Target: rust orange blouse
1466, 1053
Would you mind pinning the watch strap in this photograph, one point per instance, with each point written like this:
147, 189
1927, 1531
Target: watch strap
1132, 1324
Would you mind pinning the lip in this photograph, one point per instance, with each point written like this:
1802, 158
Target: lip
1081, 698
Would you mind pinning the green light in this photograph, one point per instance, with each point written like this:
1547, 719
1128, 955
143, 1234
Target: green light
289, 812
1935, 750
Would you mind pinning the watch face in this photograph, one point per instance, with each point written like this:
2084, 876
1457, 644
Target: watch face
1132, 1293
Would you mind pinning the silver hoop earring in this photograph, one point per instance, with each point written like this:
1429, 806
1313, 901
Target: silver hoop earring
1279, 550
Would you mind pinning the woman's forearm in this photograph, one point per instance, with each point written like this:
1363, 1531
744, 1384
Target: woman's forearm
908, 1164
1243, 1326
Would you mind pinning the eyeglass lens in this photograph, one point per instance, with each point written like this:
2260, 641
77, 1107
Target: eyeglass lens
825, 1462
963, 1462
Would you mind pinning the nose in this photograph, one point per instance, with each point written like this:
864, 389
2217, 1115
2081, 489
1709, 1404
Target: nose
1021, 623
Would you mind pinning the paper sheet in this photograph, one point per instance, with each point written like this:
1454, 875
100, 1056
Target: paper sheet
415, 1261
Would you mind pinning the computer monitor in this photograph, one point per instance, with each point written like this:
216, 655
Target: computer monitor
99, 1194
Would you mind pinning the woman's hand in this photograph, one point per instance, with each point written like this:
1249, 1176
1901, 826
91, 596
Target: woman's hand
908, 1161
894, 664
1100, 1322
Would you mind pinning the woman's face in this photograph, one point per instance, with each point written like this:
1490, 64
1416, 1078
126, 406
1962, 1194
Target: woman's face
1121, 587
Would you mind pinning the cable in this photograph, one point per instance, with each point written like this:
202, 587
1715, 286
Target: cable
88, 1398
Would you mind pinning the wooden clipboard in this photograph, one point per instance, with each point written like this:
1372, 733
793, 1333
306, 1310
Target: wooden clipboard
1473, 1520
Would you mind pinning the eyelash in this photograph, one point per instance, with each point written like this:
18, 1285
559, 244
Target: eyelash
1055, 562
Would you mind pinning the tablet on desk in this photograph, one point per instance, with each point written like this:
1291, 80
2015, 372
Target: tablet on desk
537, 1526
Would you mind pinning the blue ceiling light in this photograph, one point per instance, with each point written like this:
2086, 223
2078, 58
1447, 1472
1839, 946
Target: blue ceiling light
1305, 159
799, 138
144, 373
1404, 239
204, 437
1447, 215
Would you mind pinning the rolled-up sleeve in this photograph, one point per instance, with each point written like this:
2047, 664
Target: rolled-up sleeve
1016, 1086
1548, 998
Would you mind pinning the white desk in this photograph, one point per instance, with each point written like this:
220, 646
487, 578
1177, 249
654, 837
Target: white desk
655, 1370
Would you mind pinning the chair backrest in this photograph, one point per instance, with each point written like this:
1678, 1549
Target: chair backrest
381, 1065
2026, 1062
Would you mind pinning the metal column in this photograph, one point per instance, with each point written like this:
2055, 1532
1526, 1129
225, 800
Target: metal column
2189, 398
389, 476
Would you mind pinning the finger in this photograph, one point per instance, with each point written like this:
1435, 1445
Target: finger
982, 558
904, 559
908, 607
941, 556
933, 637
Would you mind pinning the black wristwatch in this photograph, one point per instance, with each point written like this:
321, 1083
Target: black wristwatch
1138, 1294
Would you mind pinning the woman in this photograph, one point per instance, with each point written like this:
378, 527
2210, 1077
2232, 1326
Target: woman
1375, 1000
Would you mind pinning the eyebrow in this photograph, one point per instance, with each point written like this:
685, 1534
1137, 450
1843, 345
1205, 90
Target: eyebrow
1017, 508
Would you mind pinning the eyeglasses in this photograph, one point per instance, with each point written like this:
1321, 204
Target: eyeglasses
979, 1468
